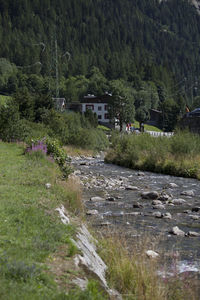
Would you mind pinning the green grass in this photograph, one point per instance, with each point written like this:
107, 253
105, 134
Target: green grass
4, 99
103, 127
147, 127
31, 230
178, 155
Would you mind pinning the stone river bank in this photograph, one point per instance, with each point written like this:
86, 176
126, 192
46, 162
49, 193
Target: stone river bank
165, 208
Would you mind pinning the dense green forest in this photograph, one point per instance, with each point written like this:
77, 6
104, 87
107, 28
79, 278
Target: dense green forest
70, 48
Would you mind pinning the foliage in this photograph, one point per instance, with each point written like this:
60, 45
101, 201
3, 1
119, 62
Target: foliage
121, 105
12, 127
92, 292
51, 147
91, 117
177, 155
142, 114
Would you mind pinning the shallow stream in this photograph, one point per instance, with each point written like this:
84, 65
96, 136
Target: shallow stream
120, 191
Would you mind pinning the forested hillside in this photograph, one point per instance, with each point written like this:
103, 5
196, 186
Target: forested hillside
141, 41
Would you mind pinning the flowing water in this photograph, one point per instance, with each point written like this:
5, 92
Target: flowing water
118, 212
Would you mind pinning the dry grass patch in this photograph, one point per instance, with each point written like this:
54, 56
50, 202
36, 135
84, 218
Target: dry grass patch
73, 151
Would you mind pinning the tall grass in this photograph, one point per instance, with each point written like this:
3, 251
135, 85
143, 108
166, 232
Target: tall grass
178, 155
135, 276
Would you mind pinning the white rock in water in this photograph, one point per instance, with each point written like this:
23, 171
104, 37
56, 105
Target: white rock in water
156, 202
92, 212
176, 231
172, 185
97, 199
152, 254
167, 215
132, 188
188, 193
159, 206
157, 214
193, 234
194, 217
48, 185
178, 201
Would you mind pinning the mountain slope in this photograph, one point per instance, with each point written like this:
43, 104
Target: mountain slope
147, 38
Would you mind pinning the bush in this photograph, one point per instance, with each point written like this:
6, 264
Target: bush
11, 127
51, 147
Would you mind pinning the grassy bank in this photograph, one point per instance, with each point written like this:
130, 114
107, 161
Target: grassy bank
178, 155
35, 245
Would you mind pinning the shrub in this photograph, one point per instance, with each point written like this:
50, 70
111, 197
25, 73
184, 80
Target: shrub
51, 147
11, 127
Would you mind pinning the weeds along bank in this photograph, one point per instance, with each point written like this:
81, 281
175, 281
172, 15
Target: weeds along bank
178, 155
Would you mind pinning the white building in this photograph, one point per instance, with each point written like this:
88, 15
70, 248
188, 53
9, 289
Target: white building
98, 105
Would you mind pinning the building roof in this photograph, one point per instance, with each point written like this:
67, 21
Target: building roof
97, 99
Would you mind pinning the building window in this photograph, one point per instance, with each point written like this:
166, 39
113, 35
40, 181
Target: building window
106, 116
89, 106
105, 107
99, 108
99, 117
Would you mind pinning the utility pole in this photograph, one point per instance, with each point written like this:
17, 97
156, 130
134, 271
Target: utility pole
56, 66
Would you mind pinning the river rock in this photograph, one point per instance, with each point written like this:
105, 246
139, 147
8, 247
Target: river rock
178, 201
196, 209
92, 212
150, 195
131, 188
111, 199
157, 214
194, 217
193, 234
188, 193
133, 213
156, 202
167, 215
152, 254
172, 185
159, 206
96, 199
140, 174
164, 197
77, 172
176, 231
137, 205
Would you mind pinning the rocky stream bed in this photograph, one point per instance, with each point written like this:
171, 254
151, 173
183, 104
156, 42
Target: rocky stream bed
164, 208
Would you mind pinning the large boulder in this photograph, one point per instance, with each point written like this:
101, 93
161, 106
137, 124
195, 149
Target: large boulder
152, 195
188, 193
178, 201
176, 231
